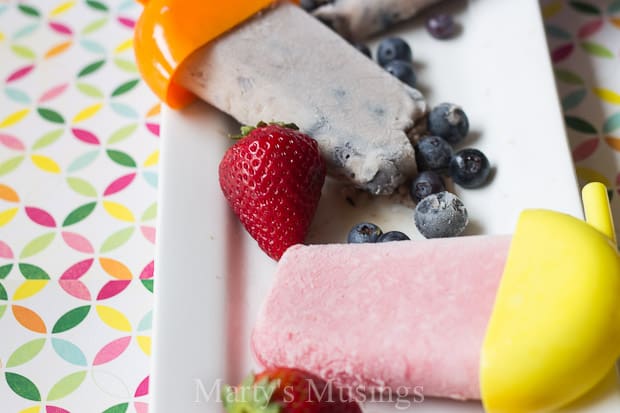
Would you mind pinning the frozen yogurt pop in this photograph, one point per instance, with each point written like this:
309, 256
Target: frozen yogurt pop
525, 323
262, 60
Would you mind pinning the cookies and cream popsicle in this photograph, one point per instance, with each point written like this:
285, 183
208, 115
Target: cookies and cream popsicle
275, 62
526, 323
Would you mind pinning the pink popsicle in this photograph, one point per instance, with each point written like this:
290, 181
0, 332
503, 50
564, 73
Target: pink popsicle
391, 315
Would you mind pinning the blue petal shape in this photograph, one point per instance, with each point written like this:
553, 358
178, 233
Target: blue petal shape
124, 110
146, 322
83, 161
151, 177
17, 95
69, 352
92, 46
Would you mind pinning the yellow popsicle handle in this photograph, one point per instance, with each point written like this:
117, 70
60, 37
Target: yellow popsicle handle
597, 209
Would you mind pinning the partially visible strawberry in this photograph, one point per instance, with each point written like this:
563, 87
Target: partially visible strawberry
272, 179
287, 390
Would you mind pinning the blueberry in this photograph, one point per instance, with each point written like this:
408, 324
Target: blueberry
441, 26
469, 168
426, 183
433, 153
393, 236
364, 232
440, 215
448, 121
393, 48
363, 48
402, 70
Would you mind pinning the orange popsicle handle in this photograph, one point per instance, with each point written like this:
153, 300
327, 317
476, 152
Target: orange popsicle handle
168, 31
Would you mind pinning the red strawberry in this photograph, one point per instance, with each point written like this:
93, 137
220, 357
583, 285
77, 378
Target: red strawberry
287, 390
272, 179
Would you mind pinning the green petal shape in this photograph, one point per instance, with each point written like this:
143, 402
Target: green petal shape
126, 65
2, 310
119, 408
10, 164
121, 158
125, 87
569, 77
47, 139
573, 99
117, 239
148, 284
557, 32
70, 319
22, 386
79, 214
94, 26
29, 10
50, 115
3, 295
23, 51
584, 7
580, 125
32, 272
597, 49
82, 187
91, 68
5, 270
66, 385
150, 213
122, 133
612, 123
37, 245
26, 352
89, 90
97, 5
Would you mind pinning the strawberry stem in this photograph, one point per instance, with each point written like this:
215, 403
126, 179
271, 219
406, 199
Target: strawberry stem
251, 397
246, 129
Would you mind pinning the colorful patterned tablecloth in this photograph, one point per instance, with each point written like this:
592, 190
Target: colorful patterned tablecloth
78, 188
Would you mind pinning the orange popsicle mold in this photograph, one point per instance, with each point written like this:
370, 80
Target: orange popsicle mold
168, 31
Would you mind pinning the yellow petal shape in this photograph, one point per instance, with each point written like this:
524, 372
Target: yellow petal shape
7, 216
87, 113
155, 110
8, 194
590, 175
153, 159
1, 36
61, 8
14, 118
33, 409
551, 9
45, 163
29, 288
608, 96
125, 45
115, 269
113, 318
118, 211
145, 344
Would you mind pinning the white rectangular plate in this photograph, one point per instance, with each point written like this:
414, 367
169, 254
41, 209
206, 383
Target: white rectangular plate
211, 276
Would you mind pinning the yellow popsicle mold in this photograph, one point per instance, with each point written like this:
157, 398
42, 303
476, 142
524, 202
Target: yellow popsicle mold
169, 31
555, 328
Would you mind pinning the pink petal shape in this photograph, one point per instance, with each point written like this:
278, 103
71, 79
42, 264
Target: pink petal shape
585, 149
149, 270
60, 28
19, 73
127, 22
119, 184
149, 233
143, 388
562, 52
11, 142
141, 407
85, 136
55, 409
112, 288
590, 28
78, 242
77, 270
5, 250
40, 217
153, 128
111, 350
53, 92
75, 288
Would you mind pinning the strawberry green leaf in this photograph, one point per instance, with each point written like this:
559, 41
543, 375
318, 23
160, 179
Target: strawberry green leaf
22, 386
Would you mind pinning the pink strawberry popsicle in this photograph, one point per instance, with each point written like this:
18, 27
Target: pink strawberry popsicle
398, 314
